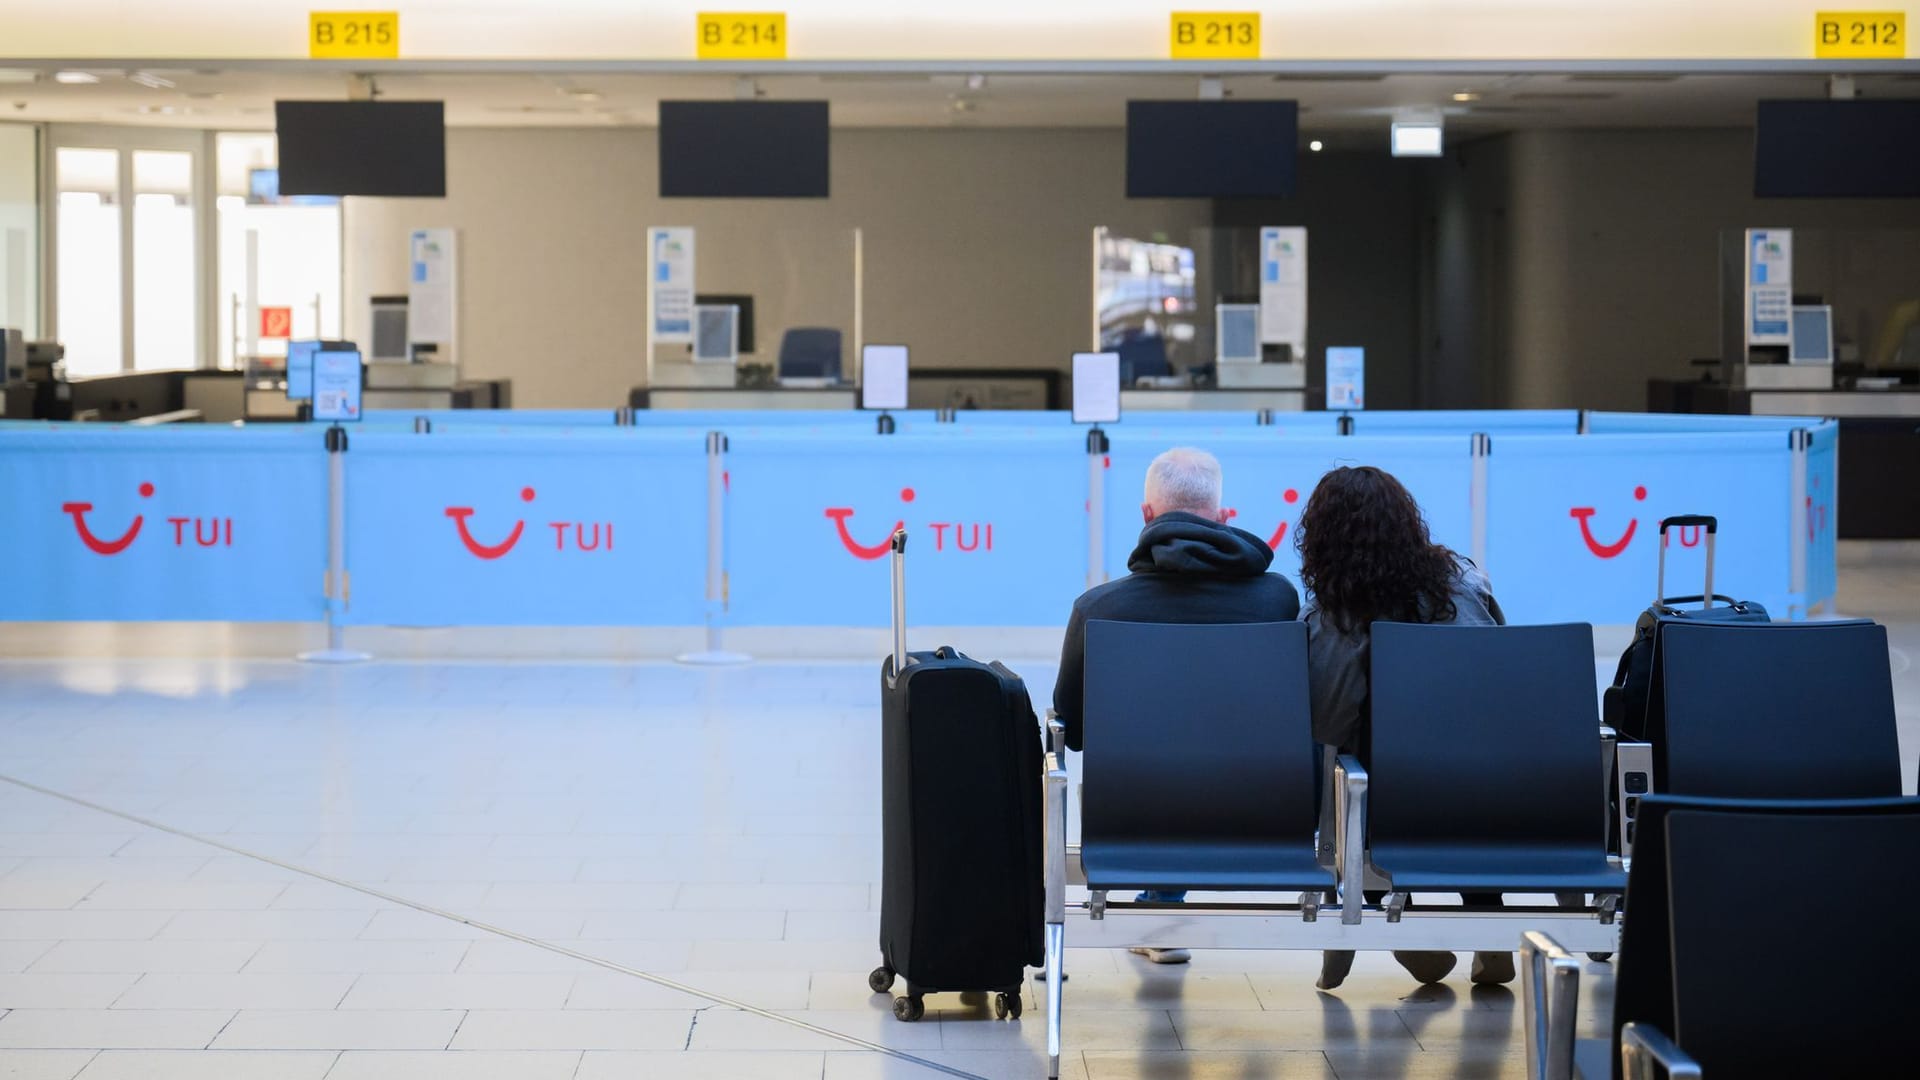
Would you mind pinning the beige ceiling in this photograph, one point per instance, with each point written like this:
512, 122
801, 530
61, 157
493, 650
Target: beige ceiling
1338, 108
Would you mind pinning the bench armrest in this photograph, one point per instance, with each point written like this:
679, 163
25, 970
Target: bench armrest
1643, 1046
1550, 996
1054, 832
1350, 787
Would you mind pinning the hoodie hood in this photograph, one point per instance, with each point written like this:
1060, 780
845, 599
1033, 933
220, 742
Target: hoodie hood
1183, 543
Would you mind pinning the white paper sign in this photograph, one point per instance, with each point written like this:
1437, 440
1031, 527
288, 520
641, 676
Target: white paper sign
883, 377
670, 284
1346, 378
1769, 286
1096, 388
1283, 287
432, 254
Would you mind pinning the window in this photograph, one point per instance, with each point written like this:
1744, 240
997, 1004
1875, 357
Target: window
295, 252
88, 259
20, 229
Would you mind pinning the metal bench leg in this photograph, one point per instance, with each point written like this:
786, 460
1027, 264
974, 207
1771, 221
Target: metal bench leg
1549, 1005
1056, 950
1055, 824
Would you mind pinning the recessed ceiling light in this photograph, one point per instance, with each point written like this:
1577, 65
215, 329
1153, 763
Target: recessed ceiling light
149, 80
1316, 146
75, 78
1466, 95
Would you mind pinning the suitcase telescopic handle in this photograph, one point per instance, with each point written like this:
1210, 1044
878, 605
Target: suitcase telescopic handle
1682, 521
898, 544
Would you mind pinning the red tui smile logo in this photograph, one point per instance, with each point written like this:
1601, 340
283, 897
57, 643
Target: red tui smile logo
1279, 536
965, 536
840, 514
460, 514
95, 544
1584, 515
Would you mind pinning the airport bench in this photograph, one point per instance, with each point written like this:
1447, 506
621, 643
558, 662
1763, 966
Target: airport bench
1704, 965
1199, 775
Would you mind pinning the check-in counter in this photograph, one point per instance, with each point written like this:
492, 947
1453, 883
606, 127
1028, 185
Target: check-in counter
1213, 400
729, 397
1879, 445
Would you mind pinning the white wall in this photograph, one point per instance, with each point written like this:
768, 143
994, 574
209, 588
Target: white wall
977, 248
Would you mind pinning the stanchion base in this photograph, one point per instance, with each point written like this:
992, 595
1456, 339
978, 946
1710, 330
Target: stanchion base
714, 658
334, 656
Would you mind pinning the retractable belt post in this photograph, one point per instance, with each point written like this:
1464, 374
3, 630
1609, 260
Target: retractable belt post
336, 586
1097, 447
717, 586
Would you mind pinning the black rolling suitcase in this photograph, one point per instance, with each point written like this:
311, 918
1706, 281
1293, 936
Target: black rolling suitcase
961, 893
1629, 706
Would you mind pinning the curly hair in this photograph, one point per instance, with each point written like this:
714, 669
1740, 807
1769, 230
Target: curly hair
1365, 553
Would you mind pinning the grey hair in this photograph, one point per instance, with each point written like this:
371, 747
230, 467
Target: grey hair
1184, 479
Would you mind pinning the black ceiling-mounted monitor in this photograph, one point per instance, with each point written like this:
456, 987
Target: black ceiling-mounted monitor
362, 147
744, 149
1843, 149
1212, 149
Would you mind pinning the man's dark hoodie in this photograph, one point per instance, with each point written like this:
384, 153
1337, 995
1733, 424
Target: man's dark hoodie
1186, 569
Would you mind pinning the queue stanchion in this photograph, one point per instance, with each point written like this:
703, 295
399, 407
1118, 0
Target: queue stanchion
1581, 426
714, 655
623, 416
422, 426
1346, 424
1097, 447
1481, 449
337, 585
1799, 441
883, 425
1263, 418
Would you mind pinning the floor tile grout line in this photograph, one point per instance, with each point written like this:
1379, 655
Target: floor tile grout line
574, 954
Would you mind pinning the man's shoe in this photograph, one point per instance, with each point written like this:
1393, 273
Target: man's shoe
1334, 966
1163, 956
1492, 968
1427, 966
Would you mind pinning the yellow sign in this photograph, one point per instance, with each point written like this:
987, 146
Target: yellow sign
1215, 35
738, 35
1860, 35
353, 35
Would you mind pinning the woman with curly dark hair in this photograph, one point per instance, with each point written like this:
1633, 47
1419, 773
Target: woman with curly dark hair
1365, 555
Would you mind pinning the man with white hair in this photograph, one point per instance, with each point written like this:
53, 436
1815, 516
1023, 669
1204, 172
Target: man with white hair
1189, 566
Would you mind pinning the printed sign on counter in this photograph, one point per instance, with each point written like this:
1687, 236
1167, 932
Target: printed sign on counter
1346, 377
1214, 35
337, 380
1096, 388
670, 285
736, 35
1860, 35
353, 35
883, 377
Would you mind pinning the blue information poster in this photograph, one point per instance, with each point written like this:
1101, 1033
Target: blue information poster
336, 386
1346, 378
300, 369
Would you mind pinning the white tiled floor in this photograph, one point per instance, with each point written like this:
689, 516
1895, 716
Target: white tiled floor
718, 829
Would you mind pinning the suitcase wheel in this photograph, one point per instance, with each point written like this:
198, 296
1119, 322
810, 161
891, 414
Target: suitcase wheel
909, 1008
880, 980
1006, 1005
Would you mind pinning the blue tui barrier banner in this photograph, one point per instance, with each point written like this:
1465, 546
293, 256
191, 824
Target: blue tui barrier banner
107, 522
531, 527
